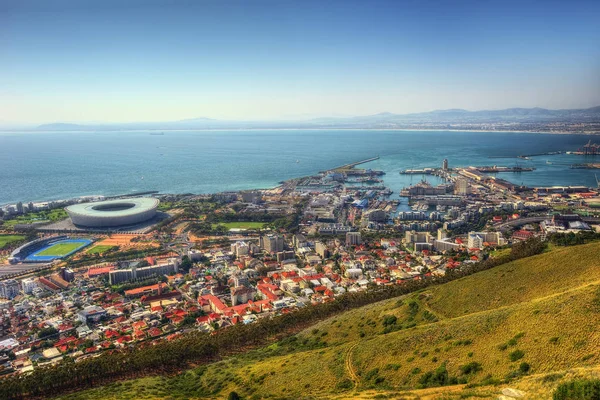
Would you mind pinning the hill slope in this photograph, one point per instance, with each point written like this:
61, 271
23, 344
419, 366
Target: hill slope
528, 322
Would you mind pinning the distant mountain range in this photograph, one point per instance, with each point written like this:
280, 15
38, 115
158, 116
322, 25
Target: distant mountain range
451, 119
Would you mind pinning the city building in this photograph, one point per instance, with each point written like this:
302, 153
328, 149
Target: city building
28, 284
417, 237
168, 267
271, 243
477, 240
91, 314
321, 249
445, 245
376, 215
461, 187
9, 289
241, 295
240, 249
353, 238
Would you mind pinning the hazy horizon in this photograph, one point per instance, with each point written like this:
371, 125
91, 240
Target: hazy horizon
106, 62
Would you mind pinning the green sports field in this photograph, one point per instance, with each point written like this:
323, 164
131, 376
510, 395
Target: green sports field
241, 225
60, 249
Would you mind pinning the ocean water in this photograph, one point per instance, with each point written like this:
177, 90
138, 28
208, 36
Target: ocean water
56, 165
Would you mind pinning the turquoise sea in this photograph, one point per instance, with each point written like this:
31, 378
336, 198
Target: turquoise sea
56, 165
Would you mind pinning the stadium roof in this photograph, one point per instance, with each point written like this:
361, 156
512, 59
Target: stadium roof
114, 208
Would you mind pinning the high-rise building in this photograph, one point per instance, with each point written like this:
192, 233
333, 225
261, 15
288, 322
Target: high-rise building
476, 240
321, 249
461, 187
353, 238
271, 243
9, 289
445, 164
240, 249
28, 285
20, 208
417, 237
442, 234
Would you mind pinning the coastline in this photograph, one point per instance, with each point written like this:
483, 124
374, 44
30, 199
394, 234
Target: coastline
29, 131
308, 167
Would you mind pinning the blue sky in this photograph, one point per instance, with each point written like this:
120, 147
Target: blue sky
149, 61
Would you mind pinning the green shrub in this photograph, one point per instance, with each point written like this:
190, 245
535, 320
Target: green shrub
439, 377
578, 390
372, 374
516, 355
524, 368
344, 384
470, 368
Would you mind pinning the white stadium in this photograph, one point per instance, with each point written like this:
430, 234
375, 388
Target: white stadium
113, 213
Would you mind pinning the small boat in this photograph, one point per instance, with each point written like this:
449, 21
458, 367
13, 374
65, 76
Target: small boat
297, 161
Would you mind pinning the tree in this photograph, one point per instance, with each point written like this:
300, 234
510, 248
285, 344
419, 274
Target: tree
47, 332
186, 264
233, 396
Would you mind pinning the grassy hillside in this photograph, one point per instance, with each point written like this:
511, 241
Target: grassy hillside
524, 325
521, 280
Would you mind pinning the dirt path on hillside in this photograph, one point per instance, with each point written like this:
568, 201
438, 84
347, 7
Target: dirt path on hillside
349, 367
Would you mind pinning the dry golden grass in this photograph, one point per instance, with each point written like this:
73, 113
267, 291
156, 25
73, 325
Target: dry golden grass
515, 282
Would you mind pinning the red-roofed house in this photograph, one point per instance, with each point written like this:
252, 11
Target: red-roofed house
215, 303
269, 291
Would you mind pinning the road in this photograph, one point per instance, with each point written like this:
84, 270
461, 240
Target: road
10, 269
528, 220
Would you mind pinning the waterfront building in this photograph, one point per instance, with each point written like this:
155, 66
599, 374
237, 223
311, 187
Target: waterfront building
461, 187
445, 164
376, 215
472, 173
251, 197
